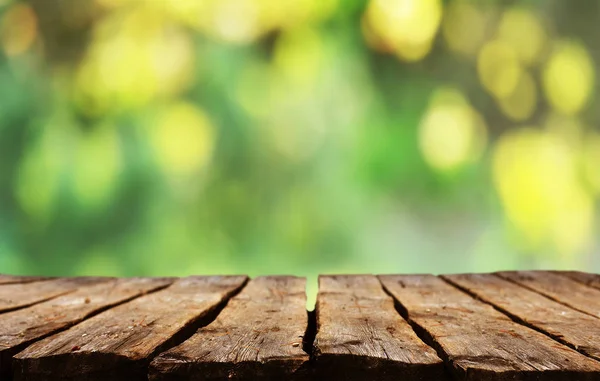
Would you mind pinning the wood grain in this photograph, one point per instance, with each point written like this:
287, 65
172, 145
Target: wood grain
258, 336
15, 296
361, 336
480, 343
559, 288
576, 329
11, 279
592, 280
119, 343
22, 327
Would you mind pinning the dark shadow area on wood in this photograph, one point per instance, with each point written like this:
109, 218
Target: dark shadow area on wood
261, 335
311, 332
188, 331
421, 333
141, 373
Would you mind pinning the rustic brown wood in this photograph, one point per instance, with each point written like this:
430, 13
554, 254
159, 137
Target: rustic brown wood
559, 288
119, 343
11, 279
576, 329
258, 336
14, 296
592, 280
361, 336
22, 327
480, 343
505, 326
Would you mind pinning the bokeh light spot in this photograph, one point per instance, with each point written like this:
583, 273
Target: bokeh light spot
591, 161
451, 133
18, 29
536, 176
498, 68
520, 104
236, 21
464, 26
133, 59
98, 164
113, 3
299, 55
409, 26
569, 77
522, 29
39, 175
183, 139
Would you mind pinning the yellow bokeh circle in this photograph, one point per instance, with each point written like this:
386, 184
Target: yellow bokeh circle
523, 30
451, 132
408, 26
299, 56
568, 77
499, 68
536, 176
591, 161
521, 103
464, 26
183, 139
134, 57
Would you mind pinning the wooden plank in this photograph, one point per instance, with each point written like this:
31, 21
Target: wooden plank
11, 279
361, 336
480, 343
576, 329
15, 296
119, 343
559, 288
258, 336
22, 327
589, 279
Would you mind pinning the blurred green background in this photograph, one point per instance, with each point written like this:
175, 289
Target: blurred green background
174, 137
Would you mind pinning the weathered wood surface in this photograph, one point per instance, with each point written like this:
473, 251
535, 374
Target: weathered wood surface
576, 329
11, 279
522, 326
19, 295
22, 327
259, 335
360, 335
480, 343
559, 288
119, 343
589, 279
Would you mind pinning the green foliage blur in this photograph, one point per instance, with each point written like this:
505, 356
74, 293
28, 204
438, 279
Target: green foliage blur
174, 137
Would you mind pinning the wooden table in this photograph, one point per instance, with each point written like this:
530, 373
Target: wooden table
502, 326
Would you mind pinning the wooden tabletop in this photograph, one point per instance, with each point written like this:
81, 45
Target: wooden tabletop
531, 325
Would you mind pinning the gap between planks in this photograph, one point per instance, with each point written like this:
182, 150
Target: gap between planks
561, 289
20, 328
119, 343
425, 301
531, 313
308, 340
